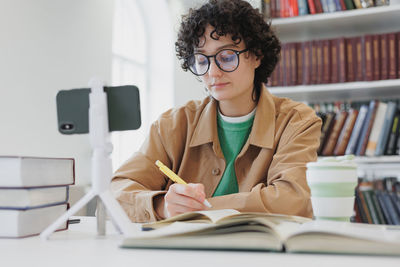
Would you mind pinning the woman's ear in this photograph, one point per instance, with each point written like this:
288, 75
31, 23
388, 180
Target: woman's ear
258, 61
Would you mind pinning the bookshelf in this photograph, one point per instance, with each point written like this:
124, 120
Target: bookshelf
340, 23
357, 22
364, 90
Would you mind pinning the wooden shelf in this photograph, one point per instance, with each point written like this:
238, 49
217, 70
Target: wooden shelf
340, 23
364, 90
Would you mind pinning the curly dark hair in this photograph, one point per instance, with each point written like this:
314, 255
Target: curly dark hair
243, 22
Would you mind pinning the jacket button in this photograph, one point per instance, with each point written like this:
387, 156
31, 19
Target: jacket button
216, 171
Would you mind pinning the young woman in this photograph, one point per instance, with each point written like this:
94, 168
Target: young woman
239, 148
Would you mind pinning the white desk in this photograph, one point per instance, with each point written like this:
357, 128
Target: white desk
79, 246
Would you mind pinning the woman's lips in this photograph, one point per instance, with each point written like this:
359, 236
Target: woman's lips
219, 85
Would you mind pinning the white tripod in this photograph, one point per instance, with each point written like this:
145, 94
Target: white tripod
101, 169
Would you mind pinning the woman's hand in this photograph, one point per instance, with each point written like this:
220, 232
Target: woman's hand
180, 199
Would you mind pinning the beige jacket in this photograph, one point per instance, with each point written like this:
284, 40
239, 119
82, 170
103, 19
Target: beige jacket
270, 168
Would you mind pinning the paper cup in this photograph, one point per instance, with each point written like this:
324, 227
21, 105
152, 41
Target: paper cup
332, 186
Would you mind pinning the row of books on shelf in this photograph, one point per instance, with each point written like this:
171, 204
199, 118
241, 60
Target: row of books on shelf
34, 192
378, 201
361, 129
294, 8
360, 58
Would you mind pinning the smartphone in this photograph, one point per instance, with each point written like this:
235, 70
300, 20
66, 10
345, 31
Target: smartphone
123, 109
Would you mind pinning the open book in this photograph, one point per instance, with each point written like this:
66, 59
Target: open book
232, 230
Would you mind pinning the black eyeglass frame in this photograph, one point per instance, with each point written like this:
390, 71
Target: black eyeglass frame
216, 61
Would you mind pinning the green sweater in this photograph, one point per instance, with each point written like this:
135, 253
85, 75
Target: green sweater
232, 137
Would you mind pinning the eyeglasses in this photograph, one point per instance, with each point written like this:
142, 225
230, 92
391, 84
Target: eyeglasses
227, 60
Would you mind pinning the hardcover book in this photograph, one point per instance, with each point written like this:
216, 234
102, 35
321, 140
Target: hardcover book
334, 136
16, 171
28, 222
25, 198
376, 129
386, 126
232, 230
345, 134
355, 134
366, 129
369, 59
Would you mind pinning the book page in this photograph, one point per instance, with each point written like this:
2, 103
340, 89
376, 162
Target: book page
387, 233
173, 229
204, 216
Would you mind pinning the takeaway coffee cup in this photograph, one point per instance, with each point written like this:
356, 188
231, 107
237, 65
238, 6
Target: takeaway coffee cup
332, 182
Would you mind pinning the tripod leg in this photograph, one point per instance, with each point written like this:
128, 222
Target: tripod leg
117, 214
63, 218
101, 215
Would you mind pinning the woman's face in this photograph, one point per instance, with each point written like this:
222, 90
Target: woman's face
228, 87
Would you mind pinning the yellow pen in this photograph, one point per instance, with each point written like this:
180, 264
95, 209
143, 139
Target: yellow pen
171, 175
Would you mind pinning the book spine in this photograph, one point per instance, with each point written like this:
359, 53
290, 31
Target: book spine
314, 69
392, 56
306, 47
392, 143
357, 130
338, 6
360, 59
392, 211
303, 9
299, 63
397, 47
288, 73
344, 137
273, 9
342, 55
351, 59
378, 207
360, 207
327, 60
293, 66
370, 206
311, 6
369, 63
357, 4
385, 131
281, 72
318, 6
365, 207
320, 63
385, 210
363, 139
376, 57
384, 53
333, 138
334, 61
342, 5
349, 4
376, 129
331, 5
325, 8
326, 130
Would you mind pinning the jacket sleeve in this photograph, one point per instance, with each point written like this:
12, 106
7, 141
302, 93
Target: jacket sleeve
285, 190
138, 180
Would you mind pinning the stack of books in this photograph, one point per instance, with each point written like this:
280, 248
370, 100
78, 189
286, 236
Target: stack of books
33, 193
346, 59
362, 129
294, 8
378, 201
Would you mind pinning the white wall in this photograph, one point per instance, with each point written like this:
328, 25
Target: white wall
46, 46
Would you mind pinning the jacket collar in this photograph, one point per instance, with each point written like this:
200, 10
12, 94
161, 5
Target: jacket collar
262, 132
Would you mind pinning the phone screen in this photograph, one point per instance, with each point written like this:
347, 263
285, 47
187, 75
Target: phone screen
123, 109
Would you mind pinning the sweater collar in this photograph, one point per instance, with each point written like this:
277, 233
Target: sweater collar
262, 132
